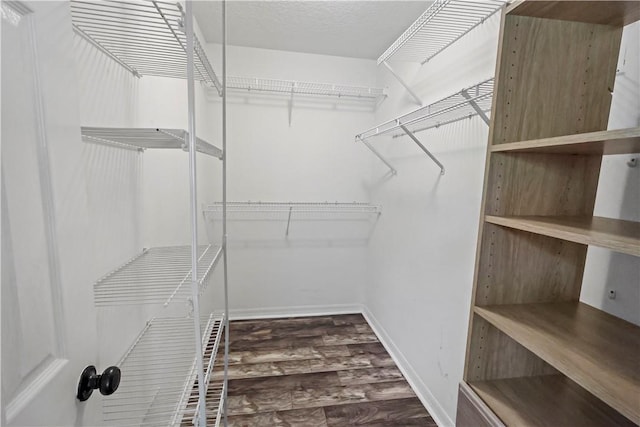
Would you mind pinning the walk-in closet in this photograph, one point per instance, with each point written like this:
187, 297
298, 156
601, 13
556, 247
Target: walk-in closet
326, 213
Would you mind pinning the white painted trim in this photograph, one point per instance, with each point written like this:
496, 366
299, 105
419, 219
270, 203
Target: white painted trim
34, 388
300, 311
419, 387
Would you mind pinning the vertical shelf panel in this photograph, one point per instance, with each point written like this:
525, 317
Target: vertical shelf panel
521, 267
553, 78
494, 355
616, 13
542, 184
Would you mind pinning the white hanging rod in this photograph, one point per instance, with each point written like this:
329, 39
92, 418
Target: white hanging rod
305, 88
441, 25
302, 207
157, 388
146, 37
468, 102
156, 276
147, 138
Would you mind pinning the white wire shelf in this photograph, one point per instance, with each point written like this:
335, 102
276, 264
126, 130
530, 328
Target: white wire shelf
156, 276
305, 88
145, 37
296, 211
159, 375
441, 25
468, 102
144, 138
296, 207
464, 104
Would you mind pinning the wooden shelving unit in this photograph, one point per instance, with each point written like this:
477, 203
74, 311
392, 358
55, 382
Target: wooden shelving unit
551, 399
535, 354
596, 350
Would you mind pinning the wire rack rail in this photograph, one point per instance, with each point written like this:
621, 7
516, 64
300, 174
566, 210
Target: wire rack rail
159, 375
441, 25
296, 207
297, 211
471, 101
305, 88
145, 37
214, 387
156, 276
144, 138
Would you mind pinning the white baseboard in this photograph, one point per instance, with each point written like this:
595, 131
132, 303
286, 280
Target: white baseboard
300, 311
419, 387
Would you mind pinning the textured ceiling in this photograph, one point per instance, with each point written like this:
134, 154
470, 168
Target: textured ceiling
359, 29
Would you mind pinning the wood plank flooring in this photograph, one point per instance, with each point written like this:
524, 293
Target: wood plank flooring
324, 371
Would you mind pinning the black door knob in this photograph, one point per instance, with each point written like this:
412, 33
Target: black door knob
107, 382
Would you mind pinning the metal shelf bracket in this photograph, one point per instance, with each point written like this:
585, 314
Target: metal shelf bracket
417, 141
402, 82
475, 106
289, 221
378, 155
293, 88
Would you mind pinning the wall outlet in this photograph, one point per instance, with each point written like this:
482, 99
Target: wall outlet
612, 294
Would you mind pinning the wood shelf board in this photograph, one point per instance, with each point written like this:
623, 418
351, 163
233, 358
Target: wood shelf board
615, 234
546, 400
616, 13
619, 141
596, 350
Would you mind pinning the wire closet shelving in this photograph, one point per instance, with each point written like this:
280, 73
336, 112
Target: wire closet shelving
364, 93
469, 102
310, 211
441, 25
157, 275
147, 138
297, 207
145, 37
167, 373
158, 386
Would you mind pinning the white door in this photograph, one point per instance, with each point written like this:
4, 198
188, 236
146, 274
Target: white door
48, 317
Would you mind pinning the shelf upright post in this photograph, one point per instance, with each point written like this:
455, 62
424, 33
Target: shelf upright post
406, 86
417, 141
188, 19
225, 387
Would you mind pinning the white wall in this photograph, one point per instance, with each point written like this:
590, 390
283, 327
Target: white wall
423, 251
314, 159
619, 196
422, 254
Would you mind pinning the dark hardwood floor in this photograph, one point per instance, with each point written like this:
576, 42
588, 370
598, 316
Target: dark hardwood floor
320, 371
